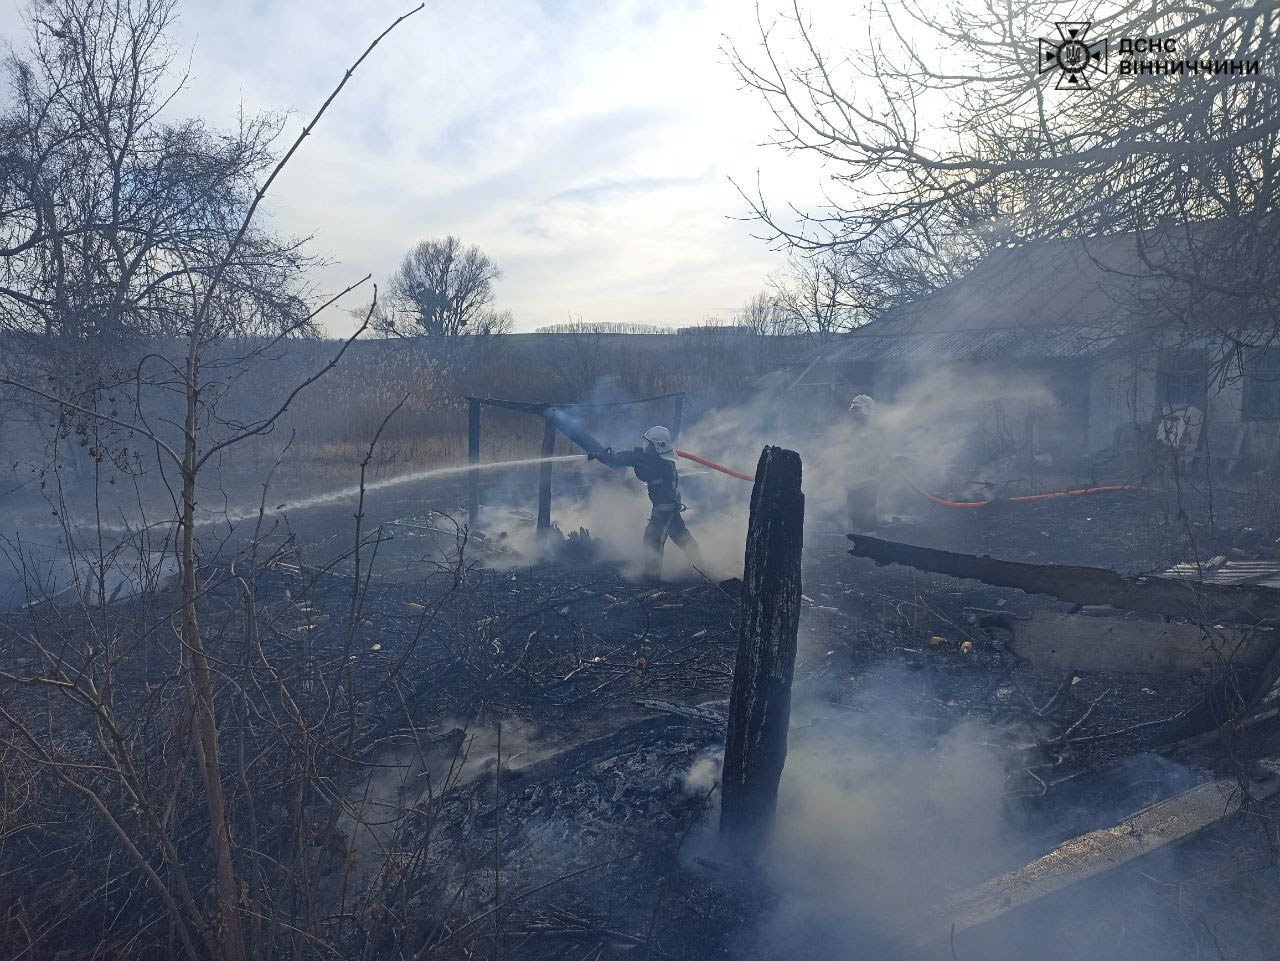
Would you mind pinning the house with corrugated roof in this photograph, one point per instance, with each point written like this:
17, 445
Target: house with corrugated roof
1089, 326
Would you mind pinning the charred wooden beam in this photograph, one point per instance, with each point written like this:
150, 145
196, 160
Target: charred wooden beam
1084, 585
586, 755
760, 702
684, 710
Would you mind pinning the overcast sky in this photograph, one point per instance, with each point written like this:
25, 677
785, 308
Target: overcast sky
586, 145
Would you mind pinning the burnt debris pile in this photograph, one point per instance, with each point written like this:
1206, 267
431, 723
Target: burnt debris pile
436, 747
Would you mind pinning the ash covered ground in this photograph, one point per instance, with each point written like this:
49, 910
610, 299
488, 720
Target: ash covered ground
560, 761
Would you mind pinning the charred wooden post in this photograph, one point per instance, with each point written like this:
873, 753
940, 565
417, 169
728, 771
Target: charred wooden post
760, 703
473, 458
544, 477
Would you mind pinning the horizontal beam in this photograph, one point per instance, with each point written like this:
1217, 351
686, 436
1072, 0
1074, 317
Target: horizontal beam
519, 405
1084, 585
532, 408
626, 403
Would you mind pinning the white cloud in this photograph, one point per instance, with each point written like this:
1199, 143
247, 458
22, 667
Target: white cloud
586, 146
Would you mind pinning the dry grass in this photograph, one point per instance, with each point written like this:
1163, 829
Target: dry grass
311, 465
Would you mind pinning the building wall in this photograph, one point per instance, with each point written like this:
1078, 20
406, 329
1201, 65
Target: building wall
998, 408
1125, 402
1103, 404
1122, 394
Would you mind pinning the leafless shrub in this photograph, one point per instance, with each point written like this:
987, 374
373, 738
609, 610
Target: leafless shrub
191, 747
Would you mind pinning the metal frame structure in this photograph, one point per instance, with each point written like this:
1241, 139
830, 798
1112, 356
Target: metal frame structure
476, 404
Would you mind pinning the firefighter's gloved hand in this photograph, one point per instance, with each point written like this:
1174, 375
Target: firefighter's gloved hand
599, 454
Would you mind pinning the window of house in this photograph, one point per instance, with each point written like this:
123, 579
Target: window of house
1182, 380
1262, 384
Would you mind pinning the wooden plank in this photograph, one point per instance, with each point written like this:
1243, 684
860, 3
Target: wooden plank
1083, 585
760, 700
1092, 854
1067, 642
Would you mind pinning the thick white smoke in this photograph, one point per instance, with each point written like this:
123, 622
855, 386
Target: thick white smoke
938, 433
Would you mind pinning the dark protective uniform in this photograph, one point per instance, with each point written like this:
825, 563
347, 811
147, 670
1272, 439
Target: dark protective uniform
663, 481
862, 494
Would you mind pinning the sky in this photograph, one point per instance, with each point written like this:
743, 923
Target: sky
586, 145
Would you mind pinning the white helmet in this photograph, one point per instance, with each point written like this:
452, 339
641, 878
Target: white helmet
863, 403
660, 438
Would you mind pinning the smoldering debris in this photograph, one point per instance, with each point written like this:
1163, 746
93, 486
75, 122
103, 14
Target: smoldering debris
918, 767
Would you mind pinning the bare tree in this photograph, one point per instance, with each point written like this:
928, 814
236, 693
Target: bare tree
114, 214
762, 314
109, 205
943, 136
581, 356
444, 291
818, 297
126, 225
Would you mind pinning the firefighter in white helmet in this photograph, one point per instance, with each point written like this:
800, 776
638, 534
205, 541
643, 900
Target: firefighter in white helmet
862, 494
863, 408
655, 464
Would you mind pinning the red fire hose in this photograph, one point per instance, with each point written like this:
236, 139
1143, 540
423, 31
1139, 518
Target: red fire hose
749, 478
1024, 498
1020, 499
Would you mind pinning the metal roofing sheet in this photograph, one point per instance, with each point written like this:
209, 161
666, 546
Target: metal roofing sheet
988, 344
1070, 297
